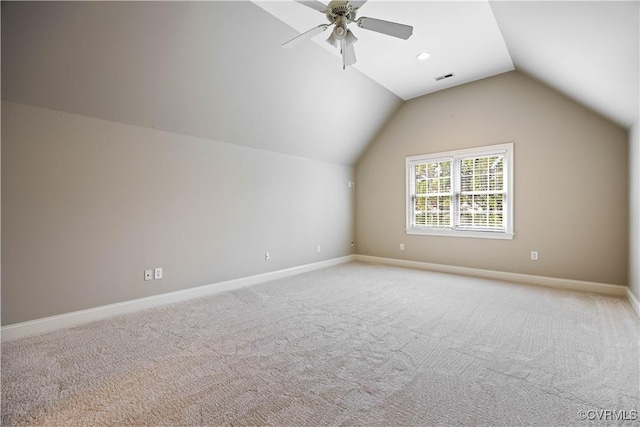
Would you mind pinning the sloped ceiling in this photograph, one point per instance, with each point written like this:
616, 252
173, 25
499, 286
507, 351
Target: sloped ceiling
587, 50
207, 69
461, 37
216, 70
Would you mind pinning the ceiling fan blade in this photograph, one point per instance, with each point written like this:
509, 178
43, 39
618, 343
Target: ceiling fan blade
313, 4
385, 27
357, 4
305, 36
343, 51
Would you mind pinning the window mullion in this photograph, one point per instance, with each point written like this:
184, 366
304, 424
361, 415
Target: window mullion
455, 197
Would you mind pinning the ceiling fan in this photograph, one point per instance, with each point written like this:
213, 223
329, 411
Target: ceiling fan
340, 14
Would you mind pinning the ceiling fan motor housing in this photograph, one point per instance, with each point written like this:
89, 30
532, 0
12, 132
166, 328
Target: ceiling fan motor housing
337, 9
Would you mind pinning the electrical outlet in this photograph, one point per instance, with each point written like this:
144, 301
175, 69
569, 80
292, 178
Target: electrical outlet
318, 248
352, 184
267, 256
157, 273
148, 275
534, 255
402, 246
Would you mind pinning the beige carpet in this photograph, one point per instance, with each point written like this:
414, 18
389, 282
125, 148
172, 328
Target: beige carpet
349, 345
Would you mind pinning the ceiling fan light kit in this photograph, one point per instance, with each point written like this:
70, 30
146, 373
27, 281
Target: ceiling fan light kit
340, 14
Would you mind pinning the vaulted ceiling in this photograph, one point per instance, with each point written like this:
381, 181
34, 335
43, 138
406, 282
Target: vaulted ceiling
216, 69
586, 49
462, 38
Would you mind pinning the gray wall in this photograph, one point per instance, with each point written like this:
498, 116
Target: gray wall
89, 204
634, 209
571, 181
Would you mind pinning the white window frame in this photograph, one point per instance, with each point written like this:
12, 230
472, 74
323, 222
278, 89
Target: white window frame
454, 231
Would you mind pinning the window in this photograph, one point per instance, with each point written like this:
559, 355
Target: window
464, 193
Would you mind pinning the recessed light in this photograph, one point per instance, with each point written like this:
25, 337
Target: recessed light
424, 55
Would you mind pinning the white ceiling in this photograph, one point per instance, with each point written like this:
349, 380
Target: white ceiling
216, 69
462, 38
586, 49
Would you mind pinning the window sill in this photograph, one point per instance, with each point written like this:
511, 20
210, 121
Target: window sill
461, 233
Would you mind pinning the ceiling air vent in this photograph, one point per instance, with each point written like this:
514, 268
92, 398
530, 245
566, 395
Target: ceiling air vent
446, 76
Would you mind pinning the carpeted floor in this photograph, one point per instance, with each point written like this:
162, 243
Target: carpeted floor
354, 344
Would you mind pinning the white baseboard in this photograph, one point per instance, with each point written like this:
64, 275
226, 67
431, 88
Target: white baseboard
67, 320
633, 301
575, 285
